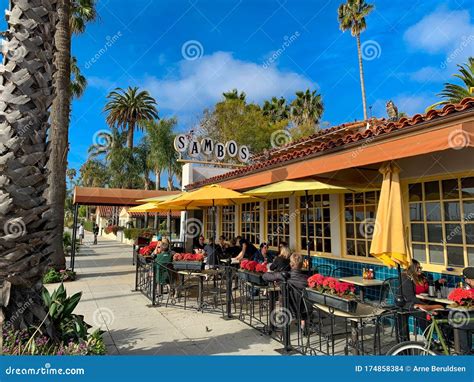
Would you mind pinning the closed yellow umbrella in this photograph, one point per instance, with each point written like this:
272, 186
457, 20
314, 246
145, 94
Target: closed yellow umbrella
389, 242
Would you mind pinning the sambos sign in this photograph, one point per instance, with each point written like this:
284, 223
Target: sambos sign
207, 146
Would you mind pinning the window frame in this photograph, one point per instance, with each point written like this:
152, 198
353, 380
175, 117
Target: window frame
286, 236
224, 222
255, 223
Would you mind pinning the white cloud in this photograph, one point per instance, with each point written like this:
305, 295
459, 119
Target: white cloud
428, 74
440, 31
200, 83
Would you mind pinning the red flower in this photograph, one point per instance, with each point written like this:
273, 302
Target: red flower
243, 264
262, 268
462, 296
315, 280
251, 265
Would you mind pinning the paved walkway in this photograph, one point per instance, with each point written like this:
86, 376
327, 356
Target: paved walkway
106, 279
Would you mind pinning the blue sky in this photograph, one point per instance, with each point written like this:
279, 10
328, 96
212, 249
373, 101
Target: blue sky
186, 53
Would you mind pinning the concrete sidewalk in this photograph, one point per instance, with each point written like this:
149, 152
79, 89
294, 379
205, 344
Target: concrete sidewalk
106, 278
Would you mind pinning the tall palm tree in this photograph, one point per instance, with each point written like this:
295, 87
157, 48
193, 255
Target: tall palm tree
107, 145
71, 174
129, 110
93, 173
235, 95
277, 109
163, 156
78, 81
73, 15
142, 152
26, 231
306, 109
454, 93
351, 15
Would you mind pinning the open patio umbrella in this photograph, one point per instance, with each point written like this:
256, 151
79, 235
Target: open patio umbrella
389, 242
152, 207
299, 187
209, 196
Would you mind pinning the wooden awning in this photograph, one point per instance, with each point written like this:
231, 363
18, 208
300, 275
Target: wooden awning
95, 196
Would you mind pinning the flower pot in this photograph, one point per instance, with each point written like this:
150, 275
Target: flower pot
336, 302
243, 276
188, 265
256, 278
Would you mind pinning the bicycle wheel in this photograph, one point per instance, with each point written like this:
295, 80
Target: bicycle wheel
411, 348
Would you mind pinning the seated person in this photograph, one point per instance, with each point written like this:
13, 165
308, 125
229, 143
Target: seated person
463, 333
413, 283
157, 249
200, 243
162, 261
232, 250
262, 255
213, 253
281, 263
297, 281
247, 251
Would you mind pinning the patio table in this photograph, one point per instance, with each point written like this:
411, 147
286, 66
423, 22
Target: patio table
362, 283
362, 311
443, 301
202, 275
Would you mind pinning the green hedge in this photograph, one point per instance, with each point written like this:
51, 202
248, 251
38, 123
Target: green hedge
134, 233
88, 225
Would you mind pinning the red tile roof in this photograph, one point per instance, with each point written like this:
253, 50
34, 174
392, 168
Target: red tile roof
107, 212
333, 137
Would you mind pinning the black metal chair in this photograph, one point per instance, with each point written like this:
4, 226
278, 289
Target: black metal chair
324, 269
340, 272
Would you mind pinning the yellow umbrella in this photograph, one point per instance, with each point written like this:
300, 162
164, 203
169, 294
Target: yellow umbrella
297, 187
209, 196
157, 207
389, 242
159, 199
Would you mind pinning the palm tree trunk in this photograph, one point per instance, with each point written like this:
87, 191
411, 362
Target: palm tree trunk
60, 129
130, 132
26, 229
361, 72
170, 180
157, 179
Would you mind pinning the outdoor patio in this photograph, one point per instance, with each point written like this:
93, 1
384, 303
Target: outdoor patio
106, 278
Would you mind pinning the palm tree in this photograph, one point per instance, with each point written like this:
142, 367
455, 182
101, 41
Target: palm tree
107, 145
277, 109
26, 231
454, 93
73, 15
306, 110
142, 153
234, 95
71, 174
162, 156
351, 15
129, 110
93, 174
78, 81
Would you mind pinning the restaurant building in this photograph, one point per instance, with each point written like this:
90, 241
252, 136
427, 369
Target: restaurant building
435, 154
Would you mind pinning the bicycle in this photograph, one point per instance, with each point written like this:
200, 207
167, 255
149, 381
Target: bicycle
434, 343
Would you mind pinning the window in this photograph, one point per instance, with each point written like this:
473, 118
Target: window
359, 222
250, 222
228, 222
209, 223
319, 227
442, 222
278, 221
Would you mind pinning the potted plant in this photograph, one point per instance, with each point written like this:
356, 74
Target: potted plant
462, 299
252, 271
331, 292
188, 261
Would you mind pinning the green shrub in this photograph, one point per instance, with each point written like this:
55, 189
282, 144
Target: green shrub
134, 233
88, 225
53, 276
